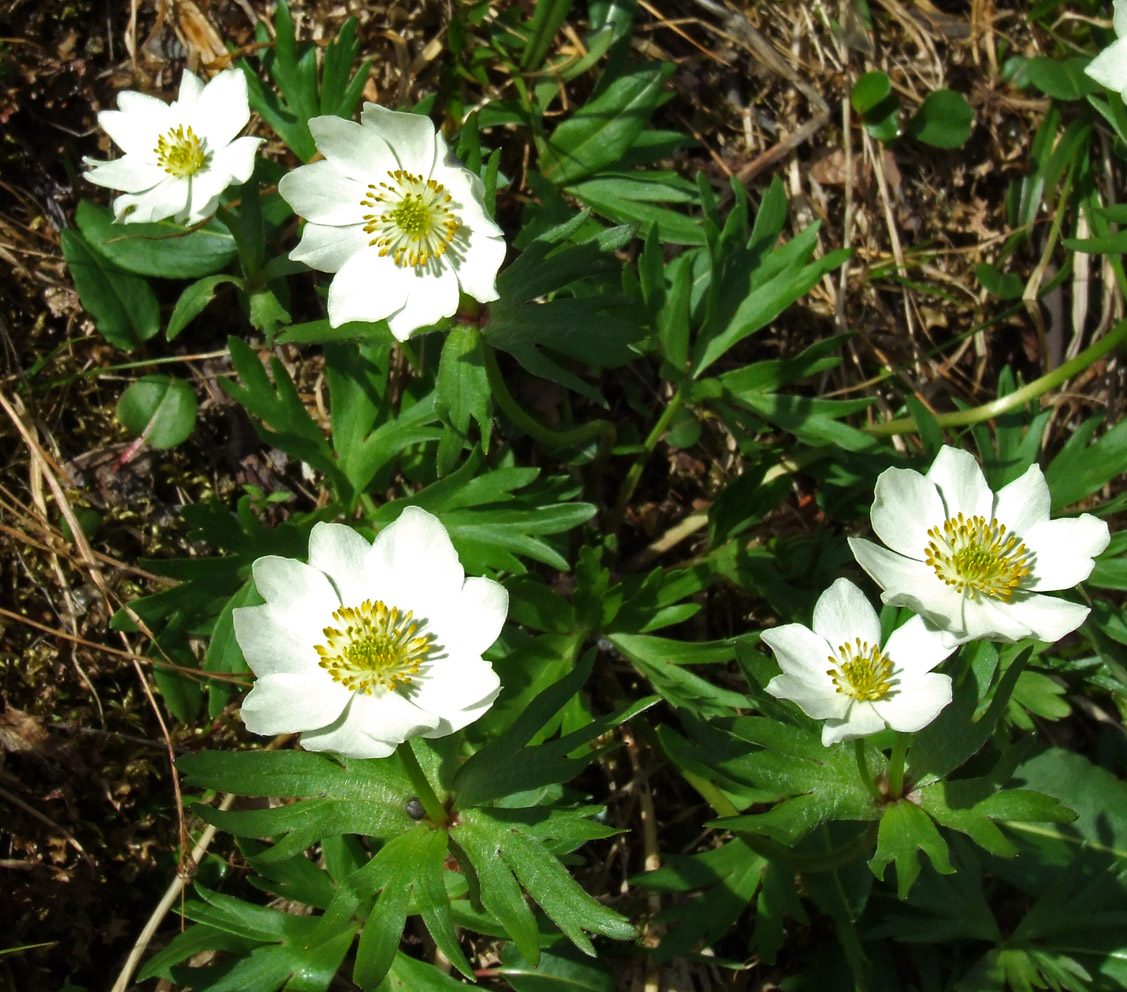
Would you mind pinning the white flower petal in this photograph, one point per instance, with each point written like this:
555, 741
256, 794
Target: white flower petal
327, 249
1063, 551
283, 704
129, 174
348, 738
361, 291
236, 160
907, 582
137, 123
294, 587
390, 717
1046, 618
276, 643
915, 704
1119, 17
1109, 68
191, 86
357, 152
819, 702
223, 108
169, 198
411, 137
340, 552
429, 299
412, 562
1023, 503
321, 193
916, 647
843, 614
800, 652
477, 613
861, 721
477, 269
990, 619
903, 503
959, 479
456, 692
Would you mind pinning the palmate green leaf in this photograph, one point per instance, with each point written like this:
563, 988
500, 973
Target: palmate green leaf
351, 796
548, 882
638, 198
601, 132
508, 765
163, 249
462, 393
187, 944
124, 307
559, 969
728, 878
904, 831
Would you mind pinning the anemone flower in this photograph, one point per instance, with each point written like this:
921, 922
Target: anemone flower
1109, 68
368, 645
841, 673
975, 562
399, 221
179, 157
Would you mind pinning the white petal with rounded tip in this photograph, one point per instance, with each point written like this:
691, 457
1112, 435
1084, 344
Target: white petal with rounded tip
1109, 68
907, 582
411, 137
959, 479
130, 174
817, 701
1063, 551
463, 718
1119, 17
191, 86
236, 160
917, 648
995, 620
861, 721
429, 299
1047, 618
223, 108
276, 643
477, 270
346, 738
321, 193
453, 690
357, 152
283, 704
361, 289
340, 552
389, 717
1023, 503
294, 587
167, 199
905, 505
327, 249
916, 704
799, 651
137, 123
413, 562
843, 614
479, 614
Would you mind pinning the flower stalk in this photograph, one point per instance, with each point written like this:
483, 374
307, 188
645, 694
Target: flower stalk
435, 811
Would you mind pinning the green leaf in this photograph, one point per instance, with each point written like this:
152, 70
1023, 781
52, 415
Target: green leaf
601, 132
163, 249
1062, 79
557, 970
124, 308
193, 301
904, 831
408, 974
944, 120
223, 653
160, 409
462, 389
547, 19
879, 107
1081, 469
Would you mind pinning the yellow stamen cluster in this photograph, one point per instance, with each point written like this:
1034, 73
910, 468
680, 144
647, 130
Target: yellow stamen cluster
377, 647
414, 223
978, 557
180, 152
861, 671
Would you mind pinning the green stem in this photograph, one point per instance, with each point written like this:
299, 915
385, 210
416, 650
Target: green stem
634, 474
1038, 387
425, 793
512, 409
896, 766
863, 768
246, 256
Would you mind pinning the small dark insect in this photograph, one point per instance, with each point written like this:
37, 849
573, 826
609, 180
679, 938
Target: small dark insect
415, 809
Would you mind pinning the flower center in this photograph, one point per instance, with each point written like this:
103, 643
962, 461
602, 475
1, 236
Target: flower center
376, 647
861, 671
978, 558
413, 224
180, 152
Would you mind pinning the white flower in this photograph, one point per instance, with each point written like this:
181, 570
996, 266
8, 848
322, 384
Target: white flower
370, 644
1109, 68
178, 157
974, 562
840, 673
398, 220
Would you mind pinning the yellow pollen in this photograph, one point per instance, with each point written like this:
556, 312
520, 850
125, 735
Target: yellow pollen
410, 218
180, 153
861, 671
376, 648
978, 558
